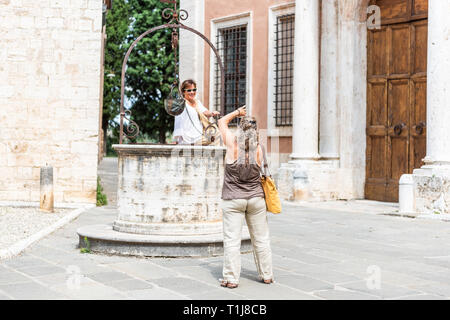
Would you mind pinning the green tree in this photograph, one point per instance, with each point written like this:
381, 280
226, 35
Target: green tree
150, 69
118, 21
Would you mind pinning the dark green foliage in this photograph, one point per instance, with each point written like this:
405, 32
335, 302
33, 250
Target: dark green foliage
118, 22
150, 68
101, 197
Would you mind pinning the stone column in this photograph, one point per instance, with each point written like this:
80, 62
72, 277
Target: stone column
432, 181
438, 95
351, 96
329, 113
305, 122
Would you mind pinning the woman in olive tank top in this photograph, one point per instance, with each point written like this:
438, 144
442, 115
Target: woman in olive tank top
243, 197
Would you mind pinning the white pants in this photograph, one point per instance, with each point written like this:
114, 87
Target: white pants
254, 210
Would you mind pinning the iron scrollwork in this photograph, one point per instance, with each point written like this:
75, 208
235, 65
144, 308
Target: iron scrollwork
132, 129
175, 15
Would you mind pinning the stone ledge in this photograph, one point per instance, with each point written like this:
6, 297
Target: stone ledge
103, 239
165, 149
168, 229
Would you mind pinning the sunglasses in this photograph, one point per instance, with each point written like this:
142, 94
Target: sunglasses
190, 90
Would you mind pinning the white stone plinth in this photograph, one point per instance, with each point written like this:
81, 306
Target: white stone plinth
309, 180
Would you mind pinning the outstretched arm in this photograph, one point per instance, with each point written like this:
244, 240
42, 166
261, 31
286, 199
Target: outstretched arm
211, 113
227, 136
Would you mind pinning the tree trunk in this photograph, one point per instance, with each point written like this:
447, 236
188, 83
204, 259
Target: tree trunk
162, 135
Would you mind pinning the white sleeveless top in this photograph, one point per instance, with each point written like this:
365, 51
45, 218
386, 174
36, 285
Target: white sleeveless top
187, 131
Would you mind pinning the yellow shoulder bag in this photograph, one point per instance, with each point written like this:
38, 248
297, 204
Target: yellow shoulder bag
273, 202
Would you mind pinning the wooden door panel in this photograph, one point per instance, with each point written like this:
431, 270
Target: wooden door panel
398, 104
376, 139
375, 191
419, 44
377, 104
398, 152
393, 10
399, 159
391, 194
419, 100
376, 134
377, 53
396, 96
397, 11
400, 53
418, 152
377, 167
419, 8
418, 123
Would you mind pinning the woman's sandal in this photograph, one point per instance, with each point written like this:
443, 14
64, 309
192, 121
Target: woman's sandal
268, 281
227, 284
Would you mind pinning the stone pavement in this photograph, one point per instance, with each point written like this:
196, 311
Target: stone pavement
318, 253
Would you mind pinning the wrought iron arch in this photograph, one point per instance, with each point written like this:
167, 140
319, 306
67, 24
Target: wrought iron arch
177, 15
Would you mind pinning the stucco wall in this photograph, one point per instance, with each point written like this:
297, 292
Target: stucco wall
49, 97
259, 11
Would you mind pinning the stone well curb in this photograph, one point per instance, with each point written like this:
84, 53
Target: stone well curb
21, 245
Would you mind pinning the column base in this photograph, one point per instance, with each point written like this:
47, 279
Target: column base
323, 180
300, 157
432, 189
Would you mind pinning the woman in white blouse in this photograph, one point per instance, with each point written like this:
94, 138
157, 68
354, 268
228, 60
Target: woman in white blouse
188, 128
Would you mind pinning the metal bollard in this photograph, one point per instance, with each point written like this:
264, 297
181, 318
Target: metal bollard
47, 199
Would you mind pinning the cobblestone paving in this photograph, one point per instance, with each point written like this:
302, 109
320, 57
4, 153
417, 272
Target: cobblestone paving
317, 254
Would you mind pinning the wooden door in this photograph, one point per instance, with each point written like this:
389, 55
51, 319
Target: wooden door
396, 103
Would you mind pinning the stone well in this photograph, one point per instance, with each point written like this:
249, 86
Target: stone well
168, 202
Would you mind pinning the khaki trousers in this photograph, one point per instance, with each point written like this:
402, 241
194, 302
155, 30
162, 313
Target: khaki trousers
254, 211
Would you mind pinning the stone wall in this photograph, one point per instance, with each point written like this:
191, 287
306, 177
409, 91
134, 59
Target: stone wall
49, 97
432, 190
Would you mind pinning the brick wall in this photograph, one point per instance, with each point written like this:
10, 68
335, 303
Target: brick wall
49, 97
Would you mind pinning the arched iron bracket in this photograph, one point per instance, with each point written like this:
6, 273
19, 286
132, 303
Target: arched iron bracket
165, 26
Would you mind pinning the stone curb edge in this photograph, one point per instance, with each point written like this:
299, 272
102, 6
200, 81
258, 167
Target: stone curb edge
396, 213
21, 245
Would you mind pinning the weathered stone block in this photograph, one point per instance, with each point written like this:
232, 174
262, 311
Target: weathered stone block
432, 190
35, 75
80, 196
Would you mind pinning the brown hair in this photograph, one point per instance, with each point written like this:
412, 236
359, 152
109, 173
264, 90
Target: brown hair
248, 122
247, 140
186, 83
